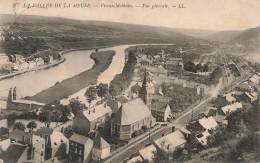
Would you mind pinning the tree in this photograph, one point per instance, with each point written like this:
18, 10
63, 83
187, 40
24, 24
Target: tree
205, 68
19, 126
215, 76
4, 131
91, 94
75, 105
45, 117
190, 66
32, 125
102, 90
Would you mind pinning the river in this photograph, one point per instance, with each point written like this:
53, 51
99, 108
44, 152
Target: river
31, 83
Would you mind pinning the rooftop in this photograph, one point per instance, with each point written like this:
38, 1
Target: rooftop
57, 138
232, 107
13, 153
97, 112
131, 112
208, 123
159, 106
170, 141
81, 139
28, 102
147, 153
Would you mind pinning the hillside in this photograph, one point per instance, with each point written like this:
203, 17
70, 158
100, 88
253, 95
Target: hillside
223, 36
248, 37
244, 37
62, 33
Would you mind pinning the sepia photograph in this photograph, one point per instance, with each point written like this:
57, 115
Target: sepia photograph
129, 81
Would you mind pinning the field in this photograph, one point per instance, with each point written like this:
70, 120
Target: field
72, 85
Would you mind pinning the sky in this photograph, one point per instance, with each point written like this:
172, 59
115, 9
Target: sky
198, 14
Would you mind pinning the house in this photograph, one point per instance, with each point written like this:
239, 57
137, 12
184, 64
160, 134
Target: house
202, 125
32, 64
161, 111
147, 153
211, 111
15, 153
224, 100
80, 148
101, 149
129, 118
231, 108
35, 143
244, 86
173, 65
157, 71
202, 137
90, 119
200, 88
249, 97
229, 98
171, 141
55, 142
208, 123
39, 61
254, 79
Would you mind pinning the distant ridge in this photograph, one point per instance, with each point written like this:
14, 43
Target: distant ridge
244, 37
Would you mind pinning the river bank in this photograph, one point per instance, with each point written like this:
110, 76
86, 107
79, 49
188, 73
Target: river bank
42, 67
72, 85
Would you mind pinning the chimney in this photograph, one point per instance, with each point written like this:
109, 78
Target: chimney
89, 111
105, 105
93, 110
168, 147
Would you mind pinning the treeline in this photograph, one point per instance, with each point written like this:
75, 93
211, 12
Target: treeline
191, 67
215, 76
121, 81
23, 46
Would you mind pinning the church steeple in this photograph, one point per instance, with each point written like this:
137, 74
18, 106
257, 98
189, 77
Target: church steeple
143, 92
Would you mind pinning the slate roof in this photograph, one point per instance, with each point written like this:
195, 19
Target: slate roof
159, 106
81, 139
13, 153
131, 112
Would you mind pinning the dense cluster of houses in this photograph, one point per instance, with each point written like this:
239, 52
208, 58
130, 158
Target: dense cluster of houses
197, 132
167, 64
19, 63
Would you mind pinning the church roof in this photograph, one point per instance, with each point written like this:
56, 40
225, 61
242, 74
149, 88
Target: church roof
131, 112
